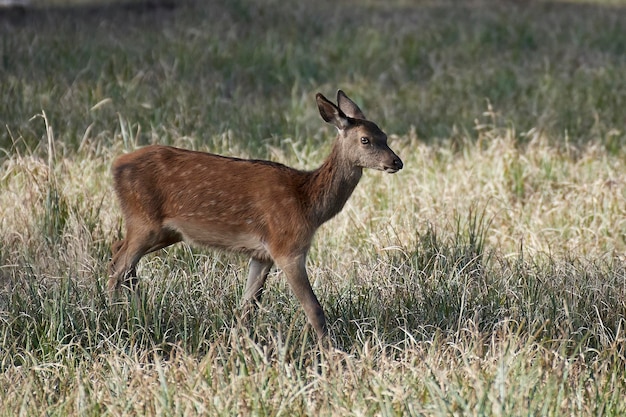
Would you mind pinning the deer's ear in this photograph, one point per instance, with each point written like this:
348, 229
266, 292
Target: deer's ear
331, 113
349, 107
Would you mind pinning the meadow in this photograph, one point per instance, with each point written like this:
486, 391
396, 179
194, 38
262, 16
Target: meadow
488, 277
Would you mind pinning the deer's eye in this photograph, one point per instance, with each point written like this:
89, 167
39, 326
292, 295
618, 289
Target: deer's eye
365, 140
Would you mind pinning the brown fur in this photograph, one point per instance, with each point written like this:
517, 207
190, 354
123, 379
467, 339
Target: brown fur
263, 209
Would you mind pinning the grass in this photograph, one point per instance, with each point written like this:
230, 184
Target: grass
486, 278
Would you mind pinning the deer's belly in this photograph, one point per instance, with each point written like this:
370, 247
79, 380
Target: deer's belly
232, 239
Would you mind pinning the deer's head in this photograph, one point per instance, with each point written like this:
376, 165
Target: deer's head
362, 142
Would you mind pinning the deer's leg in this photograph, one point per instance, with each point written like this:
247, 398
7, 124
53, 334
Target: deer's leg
294, 268
116, 267
257, 275
128, 252
124, 263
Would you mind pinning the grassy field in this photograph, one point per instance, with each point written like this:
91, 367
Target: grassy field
486, 278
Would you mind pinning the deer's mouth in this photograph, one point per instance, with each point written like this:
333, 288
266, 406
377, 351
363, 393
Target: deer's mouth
395, 166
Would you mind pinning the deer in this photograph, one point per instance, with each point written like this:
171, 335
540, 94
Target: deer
259, 208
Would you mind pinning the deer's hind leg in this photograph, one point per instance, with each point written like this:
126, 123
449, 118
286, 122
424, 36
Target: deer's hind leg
118, 251
127, 252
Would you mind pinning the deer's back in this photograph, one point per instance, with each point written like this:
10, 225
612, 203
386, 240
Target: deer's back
210, 195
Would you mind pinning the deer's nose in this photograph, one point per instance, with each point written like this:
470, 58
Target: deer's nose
397, 163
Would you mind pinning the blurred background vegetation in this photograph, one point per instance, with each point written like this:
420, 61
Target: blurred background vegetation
203, 68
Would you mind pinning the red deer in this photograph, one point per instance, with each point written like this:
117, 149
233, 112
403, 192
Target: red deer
260, 208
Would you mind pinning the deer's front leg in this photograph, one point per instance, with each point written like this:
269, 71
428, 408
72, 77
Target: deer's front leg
295, 269
256, 280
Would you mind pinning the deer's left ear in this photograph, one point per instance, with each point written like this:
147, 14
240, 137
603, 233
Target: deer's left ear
331, 113
349, 107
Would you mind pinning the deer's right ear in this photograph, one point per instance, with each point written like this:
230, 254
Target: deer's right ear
331, 113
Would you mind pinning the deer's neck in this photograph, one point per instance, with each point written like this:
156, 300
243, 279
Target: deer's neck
330, 186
